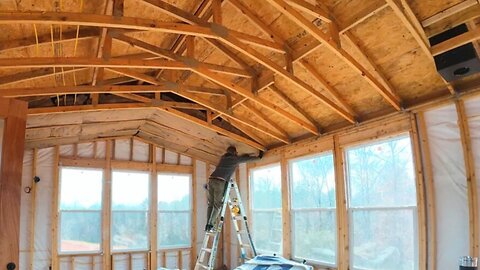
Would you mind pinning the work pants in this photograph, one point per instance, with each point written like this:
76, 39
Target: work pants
216, 190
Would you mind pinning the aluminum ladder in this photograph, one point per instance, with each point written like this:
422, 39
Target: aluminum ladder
208, 252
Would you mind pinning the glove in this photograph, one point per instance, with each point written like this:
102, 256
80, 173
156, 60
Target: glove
260, 154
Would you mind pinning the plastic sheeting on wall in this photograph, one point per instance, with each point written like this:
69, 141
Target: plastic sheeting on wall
44, 196
472, 108
449, 185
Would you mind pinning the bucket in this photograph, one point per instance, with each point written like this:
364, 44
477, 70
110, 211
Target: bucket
468, 263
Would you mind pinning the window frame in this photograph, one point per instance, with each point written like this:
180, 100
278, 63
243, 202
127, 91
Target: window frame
414, 208
149, 215
251, 200
59, 212
321, 209
190, 192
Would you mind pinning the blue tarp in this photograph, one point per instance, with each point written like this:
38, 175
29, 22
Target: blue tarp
263, 262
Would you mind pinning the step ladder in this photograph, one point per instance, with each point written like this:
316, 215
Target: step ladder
208, 252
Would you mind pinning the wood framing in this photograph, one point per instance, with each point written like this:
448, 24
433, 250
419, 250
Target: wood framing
471, 180
13, 112
55, 264
286, 222
420, 190
343, 259
153, 207
429, 191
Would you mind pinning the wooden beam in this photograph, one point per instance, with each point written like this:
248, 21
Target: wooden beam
230, 115
313, 10
172, 56
33, 207
285, 74
112, 89
260, 101
453, 20
193, 228
255, 19
430, 191
327, 87
455, 42
107, 206
355, 42
331, 44
17, 44
471, 178
286, 216
343, 261
399, 11
420, 192
89, 62
449, 12
265, 119
292, 104
33, 74
14, 114
106, 21
153, 207
55, 264
217, 11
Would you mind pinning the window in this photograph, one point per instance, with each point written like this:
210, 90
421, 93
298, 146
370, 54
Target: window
313, 209
266, 191
130, 204
174, 210
80, 207
382, 205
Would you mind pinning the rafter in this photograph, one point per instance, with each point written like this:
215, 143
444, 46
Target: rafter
172, 56
32, 75
313, 10
265, 119
15, 44
330, 43
231, 115
326, 86
65, 18
292, 104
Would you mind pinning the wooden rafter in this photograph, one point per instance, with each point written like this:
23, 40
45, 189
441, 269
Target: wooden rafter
265, 119
172, 56
32, 75
65, 18
325, 85
314, 10
330, 43
292, 104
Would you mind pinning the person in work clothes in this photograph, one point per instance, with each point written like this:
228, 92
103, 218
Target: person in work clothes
218, 180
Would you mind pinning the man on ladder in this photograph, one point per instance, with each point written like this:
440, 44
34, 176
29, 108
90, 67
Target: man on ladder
220, 189
218, 180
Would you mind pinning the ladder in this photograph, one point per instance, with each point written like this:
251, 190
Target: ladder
208, 251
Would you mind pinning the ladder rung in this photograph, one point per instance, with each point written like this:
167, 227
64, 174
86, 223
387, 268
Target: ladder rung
245, 245
207, 249
238, 217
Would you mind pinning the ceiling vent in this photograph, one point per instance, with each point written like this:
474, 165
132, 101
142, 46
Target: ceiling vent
459, 62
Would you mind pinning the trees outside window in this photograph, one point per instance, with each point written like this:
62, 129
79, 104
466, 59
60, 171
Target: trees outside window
266, 206
80, 210
313, 205
130, 206
174, 210
382, 205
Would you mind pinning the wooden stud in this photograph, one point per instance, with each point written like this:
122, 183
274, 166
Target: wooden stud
313, 10
33, 209
55, 211
106, 209
164, 258
471, 178
341, 207
179, 259
193, 250
72, 263
130, 148
153, 207
420, 190
286, 218
429, 190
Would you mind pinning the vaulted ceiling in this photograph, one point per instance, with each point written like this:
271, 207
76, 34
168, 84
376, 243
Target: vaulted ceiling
210, 73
